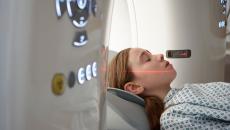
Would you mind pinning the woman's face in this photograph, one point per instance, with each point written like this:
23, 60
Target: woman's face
150, 70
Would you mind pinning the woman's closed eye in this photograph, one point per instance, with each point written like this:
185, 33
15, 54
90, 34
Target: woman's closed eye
147, 58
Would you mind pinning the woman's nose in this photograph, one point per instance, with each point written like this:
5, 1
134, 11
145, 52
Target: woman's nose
160, 57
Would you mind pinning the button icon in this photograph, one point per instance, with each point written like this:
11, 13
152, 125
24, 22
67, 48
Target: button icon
80, 39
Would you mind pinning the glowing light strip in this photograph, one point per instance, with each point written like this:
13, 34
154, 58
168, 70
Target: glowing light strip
80, 44
69, 8
58, 10
80, 25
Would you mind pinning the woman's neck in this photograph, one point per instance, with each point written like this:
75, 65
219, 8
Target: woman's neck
161, 93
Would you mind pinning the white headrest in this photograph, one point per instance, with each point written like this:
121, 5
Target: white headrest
125, 111
127, 96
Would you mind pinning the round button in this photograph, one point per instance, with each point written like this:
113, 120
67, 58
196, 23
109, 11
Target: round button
81, 75
88, 72
71, 79
58, 84
94, 69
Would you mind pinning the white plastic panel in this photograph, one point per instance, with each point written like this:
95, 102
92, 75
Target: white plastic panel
35, 45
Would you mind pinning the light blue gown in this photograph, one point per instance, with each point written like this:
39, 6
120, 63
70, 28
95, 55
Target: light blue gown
197, 107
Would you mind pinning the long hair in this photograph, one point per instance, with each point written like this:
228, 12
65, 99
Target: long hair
119, 75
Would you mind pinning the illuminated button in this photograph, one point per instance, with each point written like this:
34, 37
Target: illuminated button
223, 2
81, 75
78, 11
94, 69
60, 7
94, 7
88, 72
221, 24
80, 39
80, 23
81, 3
69, 10
71, 79
58, 84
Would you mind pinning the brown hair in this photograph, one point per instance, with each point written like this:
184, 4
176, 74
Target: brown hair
119, 75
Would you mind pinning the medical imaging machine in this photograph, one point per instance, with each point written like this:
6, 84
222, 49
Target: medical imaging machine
54, 56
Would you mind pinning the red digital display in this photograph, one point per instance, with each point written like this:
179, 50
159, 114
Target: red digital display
178, 53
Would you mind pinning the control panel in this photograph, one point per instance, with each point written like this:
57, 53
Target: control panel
78, 12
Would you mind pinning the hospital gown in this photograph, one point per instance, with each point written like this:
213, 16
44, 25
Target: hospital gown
197, 107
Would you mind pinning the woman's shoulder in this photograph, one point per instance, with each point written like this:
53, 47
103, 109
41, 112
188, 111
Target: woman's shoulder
207, 84
199, 94
175, 117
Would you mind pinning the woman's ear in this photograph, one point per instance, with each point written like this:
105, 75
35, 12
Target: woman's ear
133, 88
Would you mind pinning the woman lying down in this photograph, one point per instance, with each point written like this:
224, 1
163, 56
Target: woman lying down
195, 106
